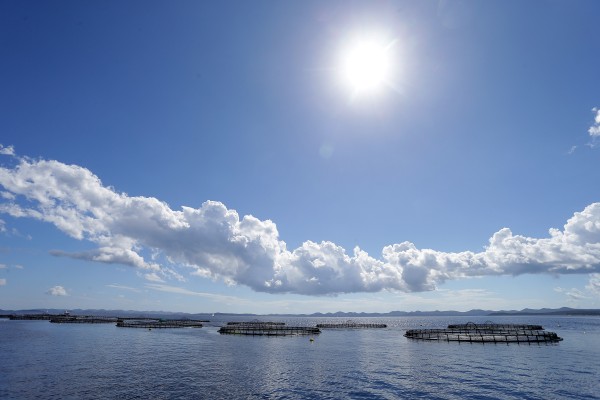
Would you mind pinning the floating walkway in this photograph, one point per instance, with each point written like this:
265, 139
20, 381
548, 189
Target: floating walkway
486, 333
266, 329
159, 324
350, 325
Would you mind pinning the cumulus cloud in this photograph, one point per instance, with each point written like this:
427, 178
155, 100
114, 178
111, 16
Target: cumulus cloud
8, 151
214, 242
57, 291
594, 130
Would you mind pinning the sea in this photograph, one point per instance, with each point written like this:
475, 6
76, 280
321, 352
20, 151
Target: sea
42, 360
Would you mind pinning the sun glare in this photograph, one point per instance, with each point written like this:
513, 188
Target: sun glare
366, 66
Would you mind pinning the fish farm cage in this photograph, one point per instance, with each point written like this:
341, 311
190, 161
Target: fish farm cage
159, 323
83, 320
32, 317
486, 333
350, 325
257, 328
256, 323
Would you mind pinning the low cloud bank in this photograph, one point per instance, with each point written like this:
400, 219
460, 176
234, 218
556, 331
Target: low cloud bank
214, 241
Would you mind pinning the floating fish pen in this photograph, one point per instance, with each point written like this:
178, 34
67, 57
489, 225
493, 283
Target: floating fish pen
350, 325
267, 330
83, 320
491, 325
486, 333
33, 317
159, 324
256, 323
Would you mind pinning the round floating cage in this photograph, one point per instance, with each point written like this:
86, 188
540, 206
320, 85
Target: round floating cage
350, 325
159, 324
83, 320
256, 323
486, 333
267, 330
490, 325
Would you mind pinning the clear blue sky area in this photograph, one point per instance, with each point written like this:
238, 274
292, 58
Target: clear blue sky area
225, 156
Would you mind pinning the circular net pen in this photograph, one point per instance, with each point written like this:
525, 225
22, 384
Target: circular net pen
350, 325
159, 324
267, 330
255, 323
490, 325
83, 320
486, 333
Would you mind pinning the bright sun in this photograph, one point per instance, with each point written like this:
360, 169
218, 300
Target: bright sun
366, 66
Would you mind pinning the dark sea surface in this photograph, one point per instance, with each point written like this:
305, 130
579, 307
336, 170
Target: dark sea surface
41, 360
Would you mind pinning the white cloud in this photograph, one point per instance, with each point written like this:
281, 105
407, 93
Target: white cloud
57, 291
3, 266
212, 241
2, 281
8, 151
594, 130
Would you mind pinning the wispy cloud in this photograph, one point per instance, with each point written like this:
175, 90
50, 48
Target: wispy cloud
57, 291
594, 284
153, 277
214, 242
187, 292
573, 293
121, 287
2, 281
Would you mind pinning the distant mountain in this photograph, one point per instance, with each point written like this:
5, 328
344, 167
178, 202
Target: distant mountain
550, 311
111, 313
339, 314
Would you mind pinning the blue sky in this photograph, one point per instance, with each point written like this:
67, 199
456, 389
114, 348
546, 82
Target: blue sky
214, 156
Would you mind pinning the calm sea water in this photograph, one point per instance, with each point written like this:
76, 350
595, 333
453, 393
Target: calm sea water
61, 361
